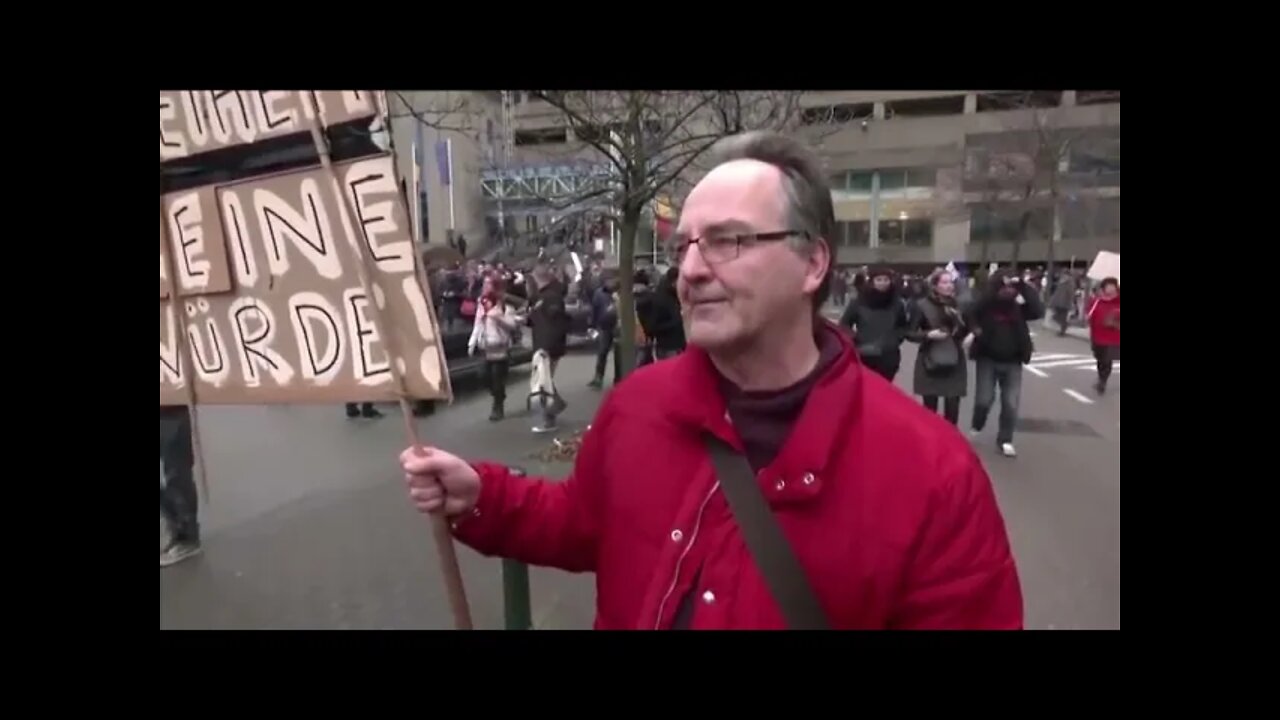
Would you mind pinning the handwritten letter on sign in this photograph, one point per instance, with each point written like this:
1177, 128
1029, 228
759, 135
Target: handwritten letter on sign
270, 298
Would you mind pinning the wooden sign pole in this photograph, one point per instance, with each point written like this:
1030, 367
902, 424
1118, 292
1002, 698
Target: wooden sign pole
364, 264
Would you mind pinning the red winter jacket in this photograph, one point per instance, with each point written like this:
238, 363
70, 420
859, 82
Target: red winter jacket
888, 508
1104, 321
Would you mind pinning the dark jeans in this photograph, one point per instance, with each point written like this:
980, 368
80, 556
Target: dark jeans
1105, 355
951, 407
179, 503
605, 344
495, 377
1008, 375
1060, 317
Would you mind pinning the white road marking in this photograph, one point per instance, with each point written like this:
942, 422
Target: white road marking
1038, 357
1115, 368
1077, 396
1041, 373
1079, 362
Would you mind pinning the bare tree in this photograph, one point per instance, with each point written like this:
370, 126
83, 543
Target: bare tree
1021, 174
650, 142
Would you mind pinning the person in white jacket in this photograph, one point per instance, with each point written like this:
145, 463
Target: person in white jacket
495, 326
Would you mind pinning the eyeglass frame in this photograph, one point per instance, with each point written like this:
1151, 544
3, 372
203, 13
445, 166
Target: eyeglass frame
738, 240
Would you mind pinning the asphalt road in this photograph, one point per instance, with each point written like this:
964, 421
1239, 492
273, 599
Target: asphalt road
308, 524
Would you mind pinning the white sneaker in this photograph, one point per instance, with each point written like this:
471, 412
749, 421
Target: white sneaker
974, 433
1007, 450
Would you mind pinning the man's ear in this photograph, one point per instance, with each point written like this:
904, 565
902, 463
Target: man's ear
819, 264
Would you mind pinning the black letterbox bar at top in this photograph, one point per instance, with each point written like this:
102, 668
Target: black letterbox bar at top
347, 141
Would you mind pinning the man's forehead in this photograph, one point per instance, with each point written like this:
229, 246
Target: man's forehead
739, 192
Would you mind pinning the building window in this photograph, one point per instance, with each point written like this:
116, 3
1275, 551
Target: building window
1085, 218
1019, 100
902, 178
925, 107
541, 136
853, 233
1002, 222
906, 233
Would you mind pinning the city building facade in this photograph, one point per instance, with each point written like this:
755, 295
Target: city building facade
919, 178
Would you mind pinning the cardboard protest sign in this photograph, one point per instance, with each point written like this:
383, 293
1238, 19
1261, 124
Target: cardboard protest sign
1105, 265
199, 121
292, 322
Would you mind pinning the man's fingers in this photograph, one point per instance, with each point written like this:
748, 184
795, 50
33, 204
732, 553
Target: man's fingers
421, 461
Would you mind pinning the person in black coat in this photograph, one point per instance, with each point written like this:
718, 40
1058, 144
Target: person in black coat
1001, 346
666, 325
550, 322
604, 318
937, 324
878, 319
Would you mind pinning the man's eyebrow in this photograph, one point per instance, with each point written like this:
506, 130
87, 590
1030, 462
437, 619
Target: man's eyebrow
732, 226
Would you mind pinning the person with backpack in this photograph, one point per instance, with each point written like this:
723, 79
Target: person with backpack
604, 318
1001, 346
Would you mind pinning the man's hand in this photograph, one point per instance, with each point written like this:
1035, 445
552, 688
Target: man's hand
439, 481
937, 335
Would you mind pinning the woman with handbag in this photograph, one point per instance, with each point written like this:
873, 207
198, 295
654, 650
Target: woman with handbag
492, 334
939, 327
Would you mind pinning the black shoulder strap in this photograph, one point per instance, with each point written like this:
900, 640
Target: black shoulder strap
769, 548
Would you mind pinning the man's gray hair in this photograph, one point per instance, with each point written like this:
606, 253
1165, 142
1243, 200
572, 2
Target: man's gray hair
803, 180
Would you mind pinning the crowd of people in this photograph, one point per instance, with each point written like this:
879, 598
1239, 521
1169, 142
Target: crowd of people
985, 319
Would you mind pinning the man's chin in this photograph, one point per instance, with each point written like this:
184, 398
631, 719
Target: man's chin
712, 336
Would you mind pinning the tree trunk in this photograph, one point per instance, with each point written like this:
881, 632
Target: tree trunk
626, 298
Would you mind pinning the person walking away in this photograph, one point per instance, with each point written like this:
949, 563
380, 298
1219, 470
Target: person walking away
492, 334
642, 297
604, 318
179, 502
878, 320
879, 514
1060, 302
941, 371
666, 322
550, 322
1104, 330
1001, 346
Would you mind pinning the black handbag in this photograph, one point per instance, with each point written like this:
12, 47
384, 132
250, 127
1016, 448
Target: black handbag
770, 549
941, 356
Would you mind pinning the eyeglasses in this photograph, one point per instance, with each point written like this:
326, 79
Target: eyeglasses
723, 247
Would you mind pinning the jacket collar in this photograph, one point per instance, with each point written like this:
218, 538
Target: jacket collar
825, 418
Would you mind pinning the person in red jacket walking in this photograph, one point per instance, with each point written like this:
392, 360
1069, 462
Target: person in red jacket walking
1104, 330
764, 478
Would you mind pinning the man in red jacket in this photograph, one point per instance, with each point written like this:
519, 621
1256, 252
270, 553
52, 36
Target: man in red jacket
1104, 330
884, 507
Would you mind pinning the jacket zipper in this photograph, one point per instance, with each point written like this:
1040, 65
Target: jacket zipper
693, 536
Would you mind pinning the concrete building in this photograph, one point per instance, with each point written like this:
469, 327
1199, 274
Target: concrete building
919, 178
